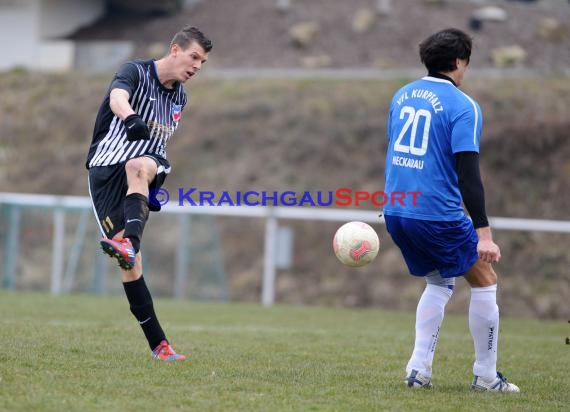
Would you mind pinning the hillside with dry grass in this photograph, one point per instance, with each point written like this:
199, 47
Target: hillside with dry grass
310, 135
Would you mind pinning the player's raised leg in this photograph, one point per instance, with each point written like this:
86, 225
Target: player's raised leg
140, 172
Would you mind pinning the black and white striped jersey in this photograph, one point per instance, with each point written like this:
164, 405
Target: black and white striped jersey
159, 107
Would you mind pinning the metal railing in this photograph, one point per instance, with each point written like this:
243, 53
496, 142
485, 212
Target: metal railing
272, 215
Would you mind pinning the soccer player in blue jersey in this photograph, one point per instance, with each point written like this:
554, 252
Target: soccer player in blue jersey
433, 149
127, 158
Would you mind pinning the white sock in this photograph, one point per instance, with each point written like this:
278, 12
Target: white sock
429, 316
484, 327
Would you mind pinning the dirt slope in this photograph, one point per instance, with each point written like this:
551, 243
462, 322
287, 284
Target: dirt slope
253, 33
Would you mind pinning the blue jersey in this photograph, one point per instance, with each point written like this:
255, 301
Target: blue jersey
429, 121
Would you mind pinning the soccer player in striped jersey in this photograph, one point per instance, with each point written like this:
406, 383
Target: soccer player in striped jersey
127, 159
433, 150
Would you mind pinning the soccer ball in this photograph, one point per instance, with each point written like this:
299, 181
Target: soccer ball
356, 244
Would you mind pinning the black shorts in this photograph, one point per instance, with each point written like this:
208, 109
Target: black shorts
108, 188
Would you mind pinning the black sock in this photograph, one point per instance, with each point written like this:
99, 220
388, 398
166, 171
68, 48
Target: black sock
141, 305
136, 215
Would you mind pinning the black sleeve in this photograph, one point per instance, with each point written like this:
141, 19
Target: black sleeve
127, 78
471, 187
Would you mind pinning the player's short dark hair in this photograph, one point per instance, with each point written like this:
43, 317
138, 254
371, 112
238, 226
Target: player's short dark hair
189, 34
440, 50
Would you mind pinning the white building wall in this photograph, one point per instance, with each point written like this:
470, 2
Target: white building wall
29, 31
56, 56
18, 33
63, 17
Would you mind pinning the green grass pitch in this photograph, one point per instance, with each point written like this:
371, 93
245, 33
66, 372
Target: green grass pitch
87, 353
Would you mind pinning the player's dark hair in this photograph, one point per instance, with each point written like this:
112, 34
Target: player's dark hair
440, 50
189, 34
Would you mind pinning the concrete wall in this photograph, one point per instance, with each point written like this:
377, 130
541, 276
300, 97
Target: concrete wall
101, 56
29, 31
63, 17
19, 31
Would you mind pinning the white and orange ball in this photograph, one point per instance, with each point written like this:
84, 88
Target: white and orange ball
356, 244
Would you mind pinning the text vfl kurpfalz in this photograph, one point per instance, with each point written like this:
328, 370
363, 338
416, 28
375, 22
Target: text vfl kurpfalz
404, 161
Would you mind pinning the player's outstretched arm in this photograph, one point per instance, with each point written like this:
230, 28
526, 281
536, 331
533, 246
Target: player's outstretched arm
473, 195
135, 126
119, 103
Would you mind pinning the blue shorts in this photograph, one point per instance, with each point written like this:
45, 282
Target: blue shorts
450, 247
